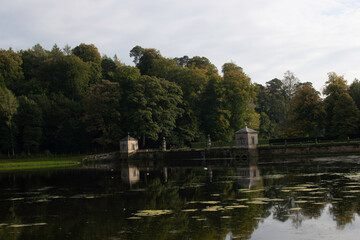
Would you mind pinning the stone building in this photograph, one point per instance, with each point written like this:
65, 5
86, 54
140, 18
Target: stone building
128, 145
246, 138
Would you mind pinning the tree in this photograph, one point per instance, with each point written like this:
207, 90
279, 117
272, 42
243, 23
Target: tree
10, 68
67, 75
32, 65
215, 117
335, 86
108, 67
354, 91
290, 83
266, 127
102, 113
271, 100
227, 67
67, 49
153, 107
137, 52
8, 108
29, 123
307, 113
346, 116
146, 61
90, 54
202, 63
239, 92
65, 131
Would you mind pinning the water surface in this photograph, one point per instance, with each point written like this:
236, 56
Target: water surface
224, 199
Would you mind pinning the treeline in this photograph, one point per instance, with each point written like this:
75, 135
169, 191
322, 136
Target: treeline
75, 100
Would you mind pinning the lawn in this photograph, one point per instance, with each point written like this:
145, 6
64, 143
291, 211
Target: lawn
38, 163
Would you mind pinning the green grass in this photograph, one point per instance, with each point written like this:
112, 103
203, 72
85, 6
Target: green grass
38, 163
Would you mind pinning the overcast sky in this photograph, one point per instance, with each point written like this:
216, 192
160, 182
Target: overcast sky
264, 37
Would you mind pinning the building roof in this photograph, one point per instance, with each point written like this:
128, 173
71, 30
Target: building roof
128, 138
246, 130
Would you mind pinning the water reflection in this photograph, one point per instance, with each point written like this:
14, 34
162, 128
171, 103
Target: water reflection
221, 199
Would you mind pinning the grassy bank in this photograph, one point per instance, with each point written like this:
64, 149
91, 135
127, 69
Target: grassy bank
38, 163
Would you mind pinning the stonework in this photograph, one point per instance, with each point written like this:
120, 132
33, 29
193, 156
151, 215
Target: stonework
246, 138
128, 145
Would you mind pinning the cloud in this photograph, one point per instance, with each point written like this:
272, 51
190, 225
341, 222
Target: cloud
264, 37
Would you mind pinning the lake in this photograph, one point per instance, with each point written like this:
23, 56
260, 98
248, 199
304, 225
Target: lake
309, 198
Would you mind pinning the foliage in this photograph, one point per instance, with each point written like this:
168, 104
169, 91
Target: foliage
307, 112
354, 91
153, 106
29, 123
67, 100
346, 116
10, 68
102, 113
8, 108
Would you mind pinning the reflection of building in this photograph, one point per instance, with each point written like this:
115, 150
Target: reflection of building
250, 176
128, 145
130, 174
246, 138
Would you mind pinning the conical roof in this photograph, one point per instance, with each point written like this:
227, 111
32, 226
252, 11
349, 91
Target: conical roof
246, 130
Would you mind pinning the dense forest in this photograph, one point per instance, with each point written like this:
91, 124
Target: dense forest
75, 100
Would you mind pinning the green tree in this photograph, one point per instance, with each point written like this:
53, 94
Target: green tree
146, 61
10, 68
137, 52
153, 107
29, 123
67, 75
90, 54
239, 93
108, 67
335, 86
346, 116
192, 82
266, 128
8, 108
354, 91
102, 113
215, 117
65, 131
33, 63
307, 113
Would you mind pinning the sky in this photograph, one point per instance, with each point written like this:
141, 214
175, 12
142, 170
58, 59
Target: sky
265, 37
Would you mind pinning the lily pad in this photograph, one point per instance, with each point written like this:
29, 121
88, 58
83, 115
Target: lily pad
189, 210
151, 213
213, 209
295, 209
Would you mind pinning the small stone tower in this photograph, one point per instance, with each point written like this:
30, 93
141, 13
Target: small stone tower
246, 138
128, 145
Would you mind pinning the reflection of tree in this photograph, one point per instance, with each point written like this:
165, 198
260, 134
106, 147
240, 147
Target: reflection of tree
344, 212
11, 233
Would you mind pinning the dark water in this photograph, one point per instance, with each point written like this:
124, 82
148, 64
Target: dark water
312, 199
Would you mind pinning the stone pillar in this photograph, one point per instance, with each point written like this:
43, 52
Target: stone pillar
208, 143
164, 144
